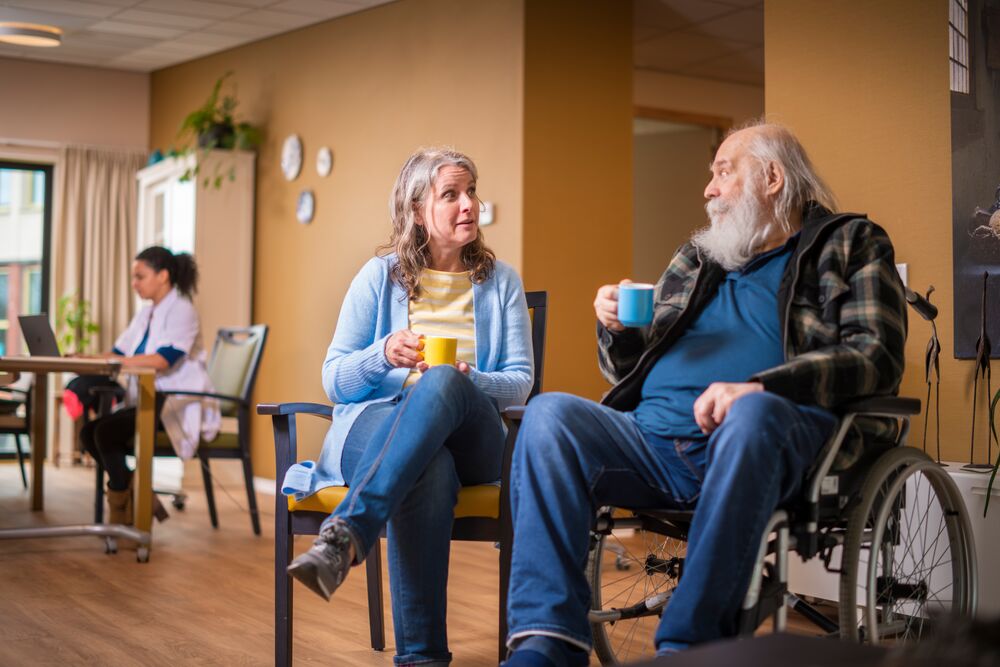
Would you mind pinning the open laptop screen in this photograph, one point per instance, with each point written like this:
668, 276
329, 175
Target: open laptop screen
38, 335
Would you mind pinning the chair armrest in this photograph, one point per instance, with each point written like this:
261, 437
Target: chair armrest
203, 394
893, 406
514, 413
11, 390
275, 409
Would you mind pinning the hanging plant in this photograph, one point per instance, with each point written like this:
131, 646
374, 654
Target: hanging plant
213, 126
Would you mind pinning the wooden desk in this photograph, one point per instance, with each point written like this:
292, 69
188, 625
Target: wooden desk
145, 424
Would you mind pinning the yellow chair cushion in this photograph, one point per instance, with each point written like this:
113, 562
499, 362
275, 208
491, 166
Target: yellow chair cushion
481, 500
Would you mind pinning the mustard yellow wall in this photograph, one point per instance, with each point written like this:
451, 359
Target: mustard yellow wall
577, 172
373, 86
865, 86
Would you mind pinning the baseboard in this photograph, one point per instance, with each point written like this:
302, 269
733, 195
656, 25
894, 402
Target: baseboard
263, 485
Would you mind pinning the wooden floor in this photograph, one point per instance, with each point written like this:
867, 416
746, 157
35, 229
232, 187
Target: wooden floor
205, 597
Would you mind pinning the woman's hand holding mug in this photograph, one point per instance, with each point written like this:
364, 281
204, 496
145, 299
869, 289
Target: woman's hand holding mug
402, 349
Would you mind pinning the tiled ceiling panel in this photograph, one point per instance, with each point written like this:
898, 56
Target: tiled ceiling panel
711, 39
716, 39
145, 35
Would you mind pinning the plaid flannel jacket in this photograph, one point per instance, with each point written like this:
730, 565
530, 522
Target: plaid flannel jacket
841, 310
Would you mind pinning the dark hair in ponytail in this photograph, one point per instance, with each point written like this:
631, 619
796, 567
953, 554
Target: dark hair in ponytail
181, 267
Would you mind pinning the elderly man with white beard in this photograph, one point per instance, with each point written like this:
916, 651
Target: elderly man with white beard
764, 323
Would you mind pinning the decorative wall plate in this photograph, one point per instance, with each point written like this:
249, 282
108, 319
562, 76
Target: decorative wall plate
324, 161
306, 207
291, 157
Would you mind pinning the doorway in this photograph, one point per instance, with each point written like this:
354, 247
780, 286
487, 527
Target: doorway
670, 156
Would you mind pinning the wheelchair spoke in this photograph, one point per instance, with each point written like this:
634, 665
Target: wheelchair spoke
914, 561
627, 603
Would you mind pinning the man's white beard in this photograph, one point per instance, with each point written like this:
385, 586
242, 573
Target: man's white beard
736, 231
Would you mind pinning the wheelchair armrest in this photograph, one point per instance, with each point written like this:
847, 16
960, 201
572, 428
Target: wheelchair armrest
284, 409
893, 406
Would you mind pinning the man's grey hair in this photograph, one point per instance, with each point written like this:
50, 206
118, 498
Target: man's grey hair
771, 142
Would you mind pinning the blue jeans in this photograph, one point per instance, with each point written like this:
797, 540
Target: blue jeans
405, 460
574, 456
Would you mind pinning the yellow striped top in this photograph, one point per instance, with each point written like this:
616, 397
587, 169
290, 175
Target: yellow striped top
445, 308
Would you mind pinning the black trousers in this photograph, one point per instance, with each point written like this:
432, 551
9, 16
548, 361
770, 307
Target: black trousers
109, 439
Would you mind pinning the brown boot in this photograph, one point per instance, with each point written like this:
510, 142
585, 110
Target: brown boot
120, 506
159, 511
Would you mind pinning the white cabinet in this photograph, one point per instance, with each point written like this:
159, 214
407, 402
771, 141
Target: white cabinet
216, 225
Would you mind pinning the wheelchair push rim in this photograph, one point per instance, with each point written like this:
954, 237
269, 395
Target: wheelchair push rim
909, 554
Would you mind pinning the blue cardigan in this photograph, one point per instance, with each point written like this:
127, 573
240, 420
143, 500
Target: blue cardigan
356, 373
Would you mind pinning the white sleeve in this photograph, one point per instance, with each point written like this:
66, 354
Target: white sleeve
129, 339
179, 328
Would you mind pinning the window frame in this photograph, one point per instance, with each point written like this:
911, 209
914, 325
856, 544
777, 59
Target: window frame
967, 100
46, 259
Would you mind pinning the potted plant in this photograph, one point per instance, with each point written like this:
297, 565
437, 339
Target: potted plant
74, 326
213, 125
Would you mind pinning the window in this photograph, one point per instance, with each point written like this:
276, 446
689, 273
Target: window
25, 226
4, 297
6, 187
37, 197
32, 298
958, 45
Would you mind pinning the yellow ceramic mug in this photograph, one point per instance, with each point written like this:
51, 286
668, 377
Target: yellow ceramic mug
440, 350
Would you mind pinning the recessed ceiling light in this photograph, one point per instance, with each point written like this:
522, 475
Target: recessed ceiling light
30, 34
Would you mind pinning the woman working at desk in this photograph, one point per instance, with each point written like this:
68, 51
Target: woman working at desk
166, 336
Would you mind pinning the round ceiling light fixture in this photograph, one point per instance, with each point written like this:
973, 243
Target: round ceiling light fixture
29, 34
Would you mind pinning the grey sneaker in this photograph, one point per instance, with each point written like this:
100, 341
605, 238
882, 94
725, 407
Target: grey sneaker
323, 568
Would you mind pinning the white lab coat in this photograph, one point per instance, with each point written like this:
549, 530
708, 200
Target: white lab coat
174, 323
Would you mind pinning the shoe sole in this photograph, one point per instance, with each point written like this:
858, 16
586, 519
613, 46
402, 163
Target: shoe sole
308, 575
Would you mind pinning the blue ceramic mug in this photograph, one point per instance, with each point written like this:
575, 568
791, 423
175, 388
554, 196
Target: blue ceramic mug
635, 304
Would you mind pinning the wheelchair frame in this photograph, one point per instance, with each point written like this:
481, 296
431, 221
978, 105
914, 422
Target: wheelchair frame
804, 530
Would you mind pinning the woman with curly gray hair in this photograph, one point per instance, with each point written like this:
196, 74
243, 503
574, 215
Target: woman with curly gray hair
405, 436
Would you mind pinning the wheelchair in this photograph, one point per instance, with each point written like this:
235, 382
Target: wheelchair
892, 525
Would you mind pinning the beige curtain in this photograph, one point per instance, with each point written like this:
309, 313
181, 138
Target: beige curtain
95, 234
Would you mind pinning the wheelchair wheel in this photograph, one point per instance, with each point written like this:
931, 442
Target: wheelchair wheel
632, 572
908, 552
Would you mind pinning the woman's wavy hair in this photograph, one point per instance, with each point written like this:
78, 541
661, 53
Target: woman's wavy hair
409, 239
181, 267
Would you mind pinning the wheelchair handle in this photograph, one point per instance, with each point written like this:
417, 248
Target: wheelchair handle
924, 308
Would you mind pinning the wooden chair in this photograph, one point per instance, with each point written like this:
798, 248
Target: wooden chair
15, 419
233, 370
481, 514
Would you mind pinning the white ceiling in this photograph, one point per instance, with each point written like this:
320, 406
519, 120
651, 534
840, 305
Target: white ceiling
713, 39
145, 35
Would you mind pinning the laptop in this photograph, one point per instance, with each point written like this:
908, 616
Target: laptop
38, 335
